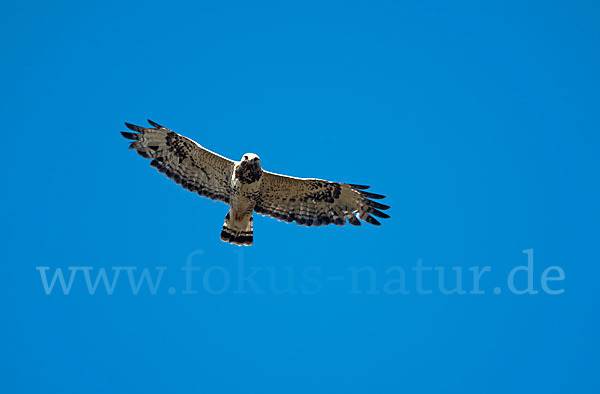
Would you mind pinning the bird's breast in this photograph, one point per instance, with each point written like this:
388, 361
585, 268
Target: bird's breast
247, 173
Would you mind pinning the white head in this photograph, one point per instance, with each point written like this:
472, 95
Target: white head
250, 157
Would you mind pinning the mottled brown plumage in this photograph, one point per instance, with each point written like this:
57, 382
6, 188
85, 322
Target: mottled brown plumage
247, 188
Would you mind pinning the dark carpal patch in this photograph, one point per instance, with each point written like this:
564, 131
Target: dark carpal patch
329, 194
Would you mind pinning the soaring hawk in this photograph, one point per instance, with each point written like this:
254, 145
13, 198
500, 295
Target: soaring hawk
246, 187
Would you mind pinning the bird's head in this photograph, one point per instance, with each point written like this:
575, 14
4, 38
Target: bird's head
251, 159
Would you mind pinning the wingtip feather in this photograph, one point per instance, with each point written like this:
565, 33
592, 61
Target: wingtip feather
155, 124
130, 136
370, 219
354, 220
359, 187
377, 205
372, 195
134, 127
379, 214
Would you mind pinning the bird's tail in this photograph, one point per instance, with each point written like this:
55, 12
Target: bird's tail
238, 232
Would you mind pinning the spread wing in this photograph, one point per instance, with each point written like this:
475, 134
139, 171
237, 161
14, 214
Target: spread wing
315, 202
183, 160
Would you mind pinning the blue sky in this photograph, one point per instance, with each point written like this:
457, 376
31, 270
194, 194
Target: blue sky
477, 120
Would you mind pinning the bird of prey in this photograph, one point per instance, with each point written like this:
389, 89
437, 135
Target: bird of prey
246, 187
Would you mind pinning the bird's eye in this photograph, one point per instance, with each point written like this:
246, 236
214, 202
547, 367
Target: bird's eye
245, 157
